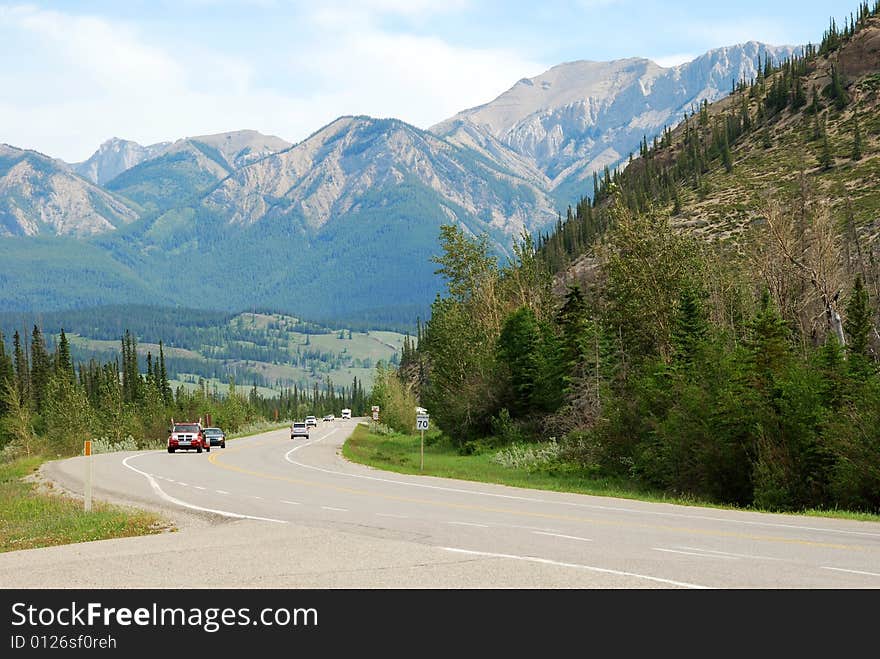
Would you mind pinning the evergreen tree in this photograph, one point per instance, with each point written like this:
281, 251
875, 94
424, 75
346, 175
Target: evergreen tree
691, 325
7, 374
768, 343
164, 387
859, 326
826, 158
837, 93
41, 369
63, 361
518, 346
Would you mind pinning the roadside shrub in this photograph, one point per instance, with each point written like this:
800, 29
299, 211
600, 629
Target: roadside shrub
505, 428
531, 457
107, 445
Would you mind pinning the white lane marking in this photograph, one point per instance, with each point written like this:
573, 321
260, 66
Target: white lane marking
616, 509
840, 569
559, 535
483, 526
292, 503
314, 441
529, 528
730, 553
221, 492
167, 497
392, 515
182, 483
199, 487
339, 510
693, 553
253, 496
547, 561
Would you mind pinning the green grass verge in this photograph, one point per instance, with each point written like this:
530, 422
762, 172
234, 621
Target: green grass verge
400, 453
30, 518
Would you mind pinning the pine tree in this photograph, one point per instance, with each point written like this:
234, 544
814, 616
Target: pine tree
691, 324
7, 373
837, 92
768, 343
859, 326
63, 361
41, 369
164, 387
826, 158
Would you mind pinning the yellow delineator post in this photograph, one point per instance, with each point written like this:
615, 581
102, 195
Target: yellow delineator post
87, 451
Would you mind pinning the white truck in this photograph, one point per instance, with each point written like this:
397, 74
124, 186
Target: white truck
346, 413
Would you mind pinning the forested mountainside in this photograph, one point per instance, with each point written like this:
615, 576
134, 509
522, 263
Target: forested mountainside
579, 117
341, 226
708, 324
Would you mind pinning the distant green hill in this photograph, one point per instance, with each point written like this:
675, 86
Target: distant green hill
273, 351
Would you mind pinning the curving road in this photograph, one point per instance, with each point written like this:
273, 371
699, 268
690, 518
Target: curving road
271, 512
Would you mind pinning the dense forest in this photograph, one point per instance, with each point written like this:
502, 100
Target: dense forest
741, 371
50, 404
215, 345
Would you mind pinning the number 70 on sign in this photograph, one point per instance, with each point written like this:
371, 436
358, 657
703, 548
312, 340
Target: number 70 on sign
422, 422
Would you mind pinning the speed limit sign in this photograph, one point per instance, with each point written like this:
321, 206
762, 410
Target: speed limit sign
422, 422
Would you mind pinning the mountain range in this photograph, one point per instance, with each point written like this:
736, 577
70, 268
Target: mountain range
344, 223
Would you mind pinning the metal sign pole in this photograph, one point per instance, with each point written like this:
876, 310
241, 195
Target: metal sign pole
88, 454
422, 426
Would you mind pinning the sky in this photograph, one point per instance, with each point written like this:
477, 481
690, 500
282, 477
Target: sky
76, 73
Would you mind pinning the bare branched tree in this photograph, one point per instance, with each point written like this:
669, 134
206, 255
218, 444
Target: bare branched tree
806, 250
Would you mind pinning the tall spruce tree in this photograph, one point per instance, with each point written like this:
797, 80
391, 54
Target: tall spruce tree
859, 325
7, 373
63, 360
41, 369
22, 369
768, 343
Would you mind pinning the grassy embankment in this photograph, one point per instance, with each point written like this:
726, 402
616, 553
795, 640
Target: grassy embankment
400, 453
31, 517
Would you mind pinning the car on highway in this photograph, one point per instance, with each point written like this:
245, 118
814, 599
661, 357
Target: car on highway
216, 437
299, 429
187, 436
346, 413
329, 417
311, 421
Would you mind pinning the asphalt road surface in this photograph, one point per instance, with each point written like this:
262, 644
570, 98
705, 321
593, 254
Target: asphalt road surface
268, 511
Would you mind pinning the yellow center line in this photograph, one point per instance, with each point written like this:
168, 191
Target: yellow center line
215, 460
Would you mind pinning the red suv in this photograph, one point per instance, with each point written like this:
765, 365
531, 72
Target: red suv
188, 436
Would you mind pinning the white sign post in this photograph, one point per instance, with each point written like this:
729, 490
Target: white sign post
375, 411
87, 451
422, 425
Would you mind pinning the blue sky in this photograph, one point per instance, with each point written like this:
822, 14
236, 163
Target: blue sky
75, 73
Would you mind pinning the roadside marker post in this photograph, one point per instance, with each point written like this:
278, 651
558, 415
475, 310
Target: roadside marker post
422, 425
375, 411
87, 451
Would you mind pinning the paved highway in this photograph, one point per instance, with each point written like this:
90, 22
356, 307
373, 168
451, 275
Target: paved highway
269, 511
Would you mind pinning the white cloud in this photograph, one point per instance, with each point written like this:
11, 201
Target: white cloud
92, 78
